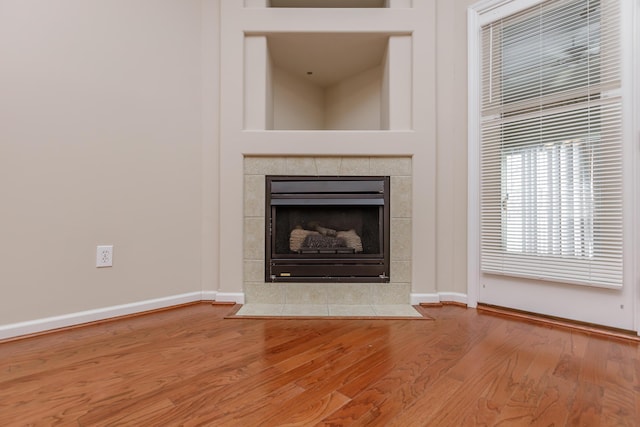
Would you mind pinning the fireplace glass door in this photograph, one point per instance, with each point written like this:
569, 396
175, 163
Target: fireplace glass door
327, 229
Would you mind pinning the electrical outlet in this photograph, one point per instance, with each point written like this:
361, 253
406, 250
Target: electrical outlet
104, 256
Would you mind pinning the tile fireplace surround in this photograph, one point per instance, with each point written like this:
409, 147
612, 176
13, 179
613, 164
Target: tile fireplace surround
257, 291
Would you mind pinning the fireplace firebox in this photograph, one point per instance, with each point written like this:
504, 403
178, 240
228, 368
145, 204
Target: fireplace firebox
327, 229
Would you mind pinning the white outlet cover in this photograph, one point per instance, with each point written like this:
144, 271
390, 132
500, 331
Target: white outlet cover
104, 256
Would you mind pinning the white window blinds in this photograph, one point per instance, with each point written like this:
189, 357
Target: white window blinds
551, 144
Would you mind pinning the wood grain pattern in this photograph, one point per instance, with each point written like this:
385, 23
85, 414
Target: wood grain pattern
191, 366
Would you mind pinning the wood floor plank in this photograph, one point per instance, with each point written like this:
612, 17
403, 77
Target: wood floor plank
376, 394
406, 382
423, 409
619, 406
191, 366
307, 414
352, 347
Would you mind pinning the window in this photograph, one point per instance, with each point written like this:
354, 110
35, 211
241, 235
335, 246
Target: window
551, 143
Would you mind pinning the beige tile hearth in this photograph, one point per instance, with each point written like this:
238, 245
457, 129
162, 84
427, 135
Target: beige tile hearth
261, 310
393, 310
351, 310
305, 310
327, 310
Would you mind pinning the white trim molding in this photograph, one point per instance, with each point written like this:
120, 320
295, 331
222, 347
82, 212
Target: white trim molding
13, 330
439, 297
635, 157
417, 299
453, 297
209, 295
473, 156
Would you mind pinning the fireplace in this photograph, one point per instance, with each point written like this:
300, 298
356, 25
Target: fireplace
327, 229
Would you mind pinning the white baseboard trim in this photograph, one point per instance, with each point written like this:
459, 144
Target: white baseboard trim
438, 297
453, 297
55, 322
417, 299
238, 297
209, 295
49, 323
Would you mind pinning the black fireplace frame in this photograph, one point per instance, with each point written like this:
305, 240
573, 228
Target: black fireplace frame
334, 191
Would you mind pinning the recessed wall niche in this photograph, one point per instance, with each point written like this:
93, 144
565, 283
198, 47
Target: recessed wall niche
327, 81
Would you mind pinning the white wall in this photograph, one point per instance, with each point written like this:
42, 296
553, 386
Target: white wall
297, 104
256, 97
384, 91
400, 68
451, 203
351, 104
100, 143
210, 157
270, 111
354, 103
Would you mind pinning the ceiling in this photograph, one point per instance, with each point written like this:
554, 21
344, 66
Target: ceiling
328, 3
329, 58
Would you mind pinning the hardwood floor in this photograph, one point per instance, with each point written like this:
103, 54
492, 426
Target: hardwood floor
190, 366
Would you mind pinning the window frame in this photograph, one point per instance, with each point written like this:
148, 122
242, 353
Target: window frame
487, 11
